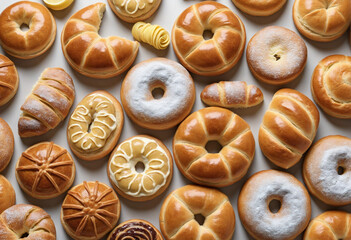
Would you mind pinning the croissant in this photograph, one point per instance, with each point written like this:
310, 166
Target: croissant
48, 103
90, 54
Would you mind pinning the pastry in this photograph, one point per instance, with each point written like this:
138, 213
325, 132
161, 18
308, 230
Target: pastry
95, 126
150, 110
154, 35
8, 80
45, 170
58, 4
37, 39
218, 169
48, 103
7, 144
213, 56
258, 7
7, 194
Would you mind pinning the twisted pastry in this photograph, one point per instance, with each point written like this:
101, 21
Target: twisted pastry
154, 35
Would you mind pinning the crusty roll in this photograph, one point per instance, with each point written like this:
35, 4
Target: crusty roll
331, 85
7, 194
322, 20
8, 80
231, 95
213, 56
288, 127
90, 54
7, 144
259, 7
24, 221
330, 225
48, 104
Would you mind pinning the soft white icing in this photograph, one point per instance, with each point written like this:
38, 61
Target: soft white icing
139, 4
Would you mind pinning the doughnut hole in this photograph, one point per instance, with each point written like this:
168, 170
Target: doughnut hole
200, 219
24, 235
207, 34
274, 205
340, 170
158, 93
24, 27
213, 147
277, 57
139, 167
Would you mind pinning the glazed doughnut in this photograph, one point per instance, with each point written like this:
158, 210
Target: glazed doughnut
255, 212
180, 210
135, 229
213, 56
40, 35
331, 85
26, 221
7, 144
322, 20
220, 169
7, 194
158, 74
327, 170
8, 80
95, 126
156, 175
45, 170
154, 35
276, 55
333, 225
134, 10
258, 7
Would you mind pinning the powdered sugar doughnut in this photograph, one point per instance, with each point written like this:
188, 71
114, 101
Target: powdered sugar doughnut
177, 93
327, 170
276, 55
254, 206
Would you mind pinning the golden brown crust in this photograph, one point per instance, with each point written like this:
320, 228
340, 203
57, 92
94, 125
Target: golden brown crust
177, 216
90, 210
259, 8
213, 169
288, 127
90, 54
7, 144
25, 219
7, 194
216, 55
45, 170
8, 80
331, 85
34, 42
322, 20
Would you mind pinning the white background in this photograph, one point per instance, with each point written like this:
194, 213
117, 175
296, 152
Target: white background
29, 71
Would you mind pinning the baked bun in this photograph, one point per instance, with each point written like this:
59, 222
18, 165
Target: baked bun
24, 221
330, 85
8, 80
219, 169
89, 211
183, 206
288, 127
258, 7
40, 35
45, 170
7, 144
333, 225
48, 104
90, 54
322, 20
232, 95
7, 194
135, 10
276, 55
95, 126
213, 56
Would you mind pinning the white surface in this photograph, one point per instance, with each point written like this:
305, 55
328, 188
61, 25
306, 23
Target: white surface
29, 71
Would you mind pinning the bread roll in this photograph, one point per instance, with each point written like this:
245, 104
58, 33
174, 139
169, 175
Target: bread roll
7, 144
8, 80
7, 194
259, 7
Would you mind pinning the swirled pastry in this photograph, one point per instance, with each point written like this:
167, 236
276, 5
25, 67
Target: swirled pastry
152, 180
8, 80
95, 126
154, 35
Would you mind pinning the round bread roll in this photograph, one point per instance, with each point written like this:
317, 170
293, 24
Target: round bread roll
7, 194
95, 126
276, 55
8, 80
259, 7
24, 221
162, 112
90, 210
7, 143
37, 39
45, 170
219, 169
135, 10
214, 56
194, 212
264, 221
333, 225
322, 20
327, 170
331, 85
